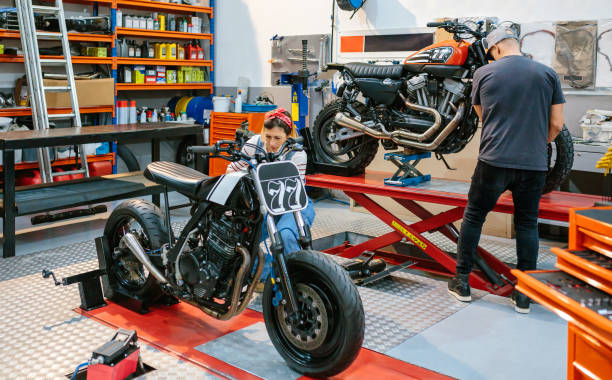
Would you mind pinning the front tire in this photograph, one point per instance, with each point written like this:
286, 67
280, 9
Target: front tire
127, 275
334, 322
355, 153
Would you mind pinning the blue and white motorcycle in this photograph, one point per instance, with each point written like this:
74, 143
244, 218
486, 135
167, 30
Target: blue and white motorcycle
312, 310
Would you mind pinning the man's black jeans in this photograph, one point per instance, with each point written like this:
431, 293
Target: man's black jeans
488, 183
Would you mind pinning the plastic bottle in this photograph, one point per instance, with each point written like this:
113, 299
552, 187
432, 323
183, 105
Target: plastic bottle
160, 51
180, 52
132, 118
119, 18
154, 116
122, 114
143, 23
143, 115
156, 24
162, 22
192, 52
150, 23
172, 23
238, 105
128, 21
200, 52
171, 51
137, 51
190, 28
131, 50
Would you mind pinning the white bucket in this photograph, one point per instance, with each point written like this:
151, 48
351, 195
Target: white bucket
221, 103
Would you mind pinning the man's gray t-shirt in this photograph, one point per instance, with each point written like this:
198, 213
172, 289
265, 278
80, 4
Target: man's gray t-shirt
516, 94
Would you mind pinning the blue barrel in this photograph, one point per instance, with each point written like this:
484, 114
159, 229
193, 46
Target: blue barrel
196, 107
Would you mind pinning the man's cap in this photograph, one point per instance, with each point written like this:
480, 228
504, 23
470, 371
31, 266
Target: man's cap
499, 34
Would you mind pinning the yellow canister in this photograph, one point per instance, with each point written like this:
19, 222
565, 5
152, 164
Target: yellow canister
162, 22
171, 51
160, 51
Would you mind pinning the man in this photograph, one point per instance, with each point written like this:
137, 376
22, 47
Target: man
520, 104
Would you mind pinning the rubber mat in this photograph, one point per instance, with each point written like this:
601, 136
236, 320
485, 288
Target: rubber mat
184, 331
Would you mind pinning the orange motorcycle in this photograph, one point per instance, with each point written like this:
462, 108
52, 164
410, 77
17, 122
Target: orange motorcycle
422, 105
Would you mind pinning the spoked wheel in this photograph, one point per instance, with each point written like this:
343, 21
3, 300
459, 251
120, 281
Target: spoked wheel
143, 220
560, 160
338, 145
328, 332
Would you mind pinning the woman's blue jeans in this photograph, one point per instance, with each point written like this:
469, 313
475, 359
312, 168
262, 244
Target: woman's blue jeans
285, 224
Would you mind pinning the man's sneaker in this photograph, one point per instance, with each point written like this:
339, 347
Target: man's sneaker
521, 302
459, 287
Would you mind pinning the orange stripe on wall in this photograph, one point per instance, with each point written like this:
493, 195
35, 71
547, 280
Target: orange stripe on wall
351, 44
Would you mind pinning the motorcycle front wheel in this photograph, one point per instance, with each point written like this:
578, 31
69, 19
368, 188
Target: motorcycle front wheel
127, 275
330, 332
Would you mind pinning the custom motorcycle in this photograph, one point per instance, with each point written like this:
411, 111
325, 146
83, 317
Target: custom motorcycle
312, 310
422, 105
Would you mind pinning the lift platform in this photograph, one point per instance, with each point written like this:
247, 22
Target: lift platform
492, 274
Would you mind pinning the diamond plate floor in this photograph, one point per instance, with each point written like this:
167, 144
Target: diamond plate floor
44, 338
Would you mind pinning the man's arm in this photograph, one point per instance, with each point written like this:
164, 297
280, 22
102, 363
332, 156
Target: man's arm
478, 109
556, 121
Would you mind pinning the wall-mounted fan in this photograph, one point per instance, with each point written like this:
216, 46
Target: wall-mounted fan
350, 5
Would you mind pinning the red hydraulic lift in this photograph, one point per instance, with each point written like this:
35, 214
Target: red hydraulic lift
493, 276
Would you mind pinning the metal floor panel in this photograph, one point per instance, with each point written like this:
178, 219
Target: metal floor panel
44, 338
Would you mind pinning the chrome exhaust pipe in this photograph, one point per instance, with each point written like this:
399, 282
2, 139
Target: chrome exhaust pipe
451, 126
348, 122
429, 132
400, 137
130, 242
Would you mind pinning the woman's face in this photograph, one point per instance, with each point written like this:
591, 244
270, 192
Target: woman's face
274, 138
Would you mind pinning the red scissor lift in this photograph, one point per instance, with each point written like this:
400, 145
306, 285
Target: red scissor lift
492, 274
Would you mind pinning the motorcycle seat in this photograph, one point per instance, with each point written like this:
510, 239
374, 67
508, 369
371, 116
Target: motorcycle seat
177, 177
364, 70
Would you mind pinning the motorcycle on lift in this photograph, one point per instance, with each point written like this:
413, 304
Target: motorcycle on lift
422, 105
311, 308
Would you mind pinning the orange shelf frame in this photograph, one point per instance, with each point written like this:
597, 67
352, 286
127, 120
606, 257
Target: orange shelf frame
65, 161
27, 111
5, 33
146, 4
164, 86
75, 59
163, 34
166, 62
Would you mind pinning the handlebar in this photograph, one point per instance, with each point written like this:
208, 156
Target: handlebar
436, 24
233, 149
457, 28
202, 149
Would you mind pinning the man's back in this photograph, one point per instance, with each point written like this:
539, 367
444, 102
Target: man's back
516, 95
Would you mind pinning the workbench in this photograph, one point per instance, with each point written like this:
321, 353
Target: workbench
27, 200
427, 256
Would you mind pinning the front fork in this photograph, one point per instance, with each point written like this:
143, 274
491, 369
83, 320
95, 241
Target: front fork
280, 262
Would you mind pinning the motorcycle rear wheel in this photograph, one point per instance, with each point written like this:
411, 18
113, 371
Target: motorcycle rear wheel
334, 322
563, 160
355, 153
129, 276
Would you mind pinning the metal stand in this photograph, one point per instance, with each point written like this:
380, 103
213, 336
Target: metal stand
89, 287
407, 173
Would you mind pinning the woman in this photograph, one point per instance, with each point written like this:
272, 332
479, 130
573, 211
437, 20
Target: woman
277, 128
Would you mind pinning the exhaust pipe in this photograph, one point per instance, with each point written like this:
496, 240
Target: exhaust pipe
430, 131
130, 242
400, 137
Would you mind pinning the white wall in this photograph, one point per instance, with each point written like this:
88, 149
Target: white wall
244, 27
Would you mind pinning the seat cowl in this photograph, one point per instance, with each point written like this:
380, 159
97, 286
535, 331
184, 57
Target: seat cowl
176, 176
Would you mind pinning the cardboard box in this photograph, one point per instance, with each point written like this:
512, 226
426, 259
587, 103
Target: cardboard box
90, 92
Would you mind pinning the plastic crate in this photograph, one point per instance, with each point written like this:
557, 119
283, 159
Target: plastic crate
258, 107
